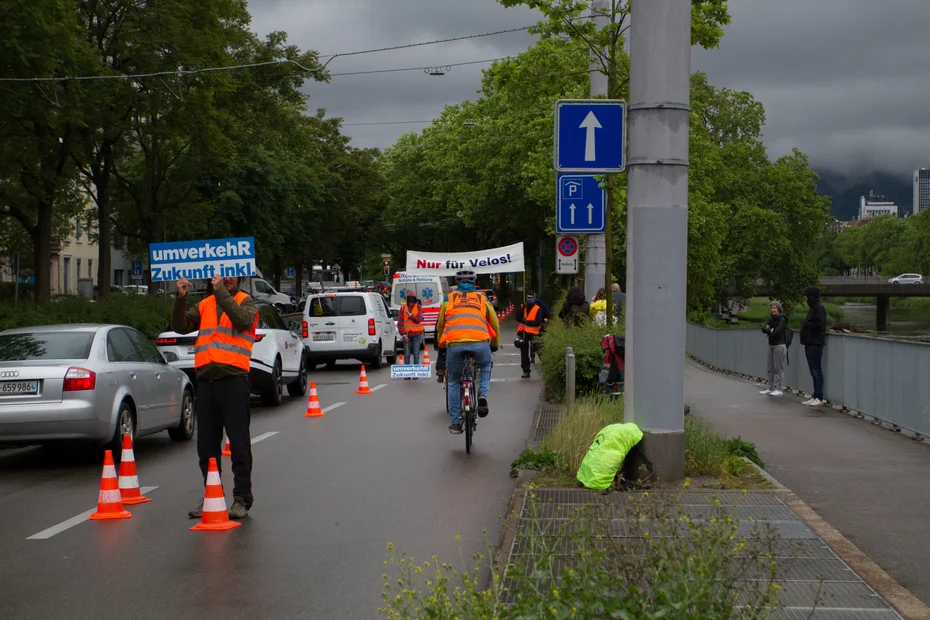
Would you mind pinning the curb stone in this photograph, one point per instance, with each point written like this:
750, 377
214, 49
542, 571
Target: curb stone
895, 594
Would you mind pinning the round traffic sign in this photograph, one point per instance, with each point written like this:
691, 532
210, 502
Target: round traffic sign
568, 247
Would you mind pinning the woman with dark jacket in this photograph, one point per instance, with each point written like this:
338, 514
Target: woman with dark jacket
575, 310
814, 338
778, 349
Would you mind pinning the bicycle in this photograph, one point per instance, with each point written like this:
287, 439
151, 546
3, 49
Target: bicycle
468, 391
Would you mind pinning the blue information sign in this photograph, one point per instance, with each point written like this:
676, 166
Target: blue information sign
582, 205
590, 135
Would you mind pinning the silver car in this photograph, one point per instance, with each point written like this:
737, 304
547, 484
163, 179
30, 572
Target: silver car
90, 383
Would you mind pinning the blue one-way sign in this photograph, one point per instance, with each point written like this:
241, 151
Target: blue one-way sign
582, 205
590, 135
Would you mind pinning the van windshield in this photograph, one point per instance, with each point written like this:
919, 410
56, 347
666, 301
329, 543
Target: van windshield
341, 305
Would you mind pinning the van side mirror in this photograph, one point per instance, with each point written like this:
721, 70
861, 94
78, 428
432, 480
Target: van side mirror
395, 313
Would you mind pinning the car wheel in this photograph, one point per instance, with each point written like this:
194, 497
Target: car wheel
274, 393
125, 425
299, 387
185, 428
376, 362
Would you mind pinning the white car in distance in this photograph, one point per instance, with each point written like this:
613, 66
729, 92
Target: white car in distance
907, 278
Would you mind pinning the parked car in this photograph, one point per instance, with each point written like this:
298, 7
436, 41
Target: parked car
491, 295
348, 325
907, 278
278, 357
90, 383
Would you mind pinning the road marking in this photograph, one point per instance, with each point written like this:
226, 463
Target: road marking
263, 437
333, 406
507, 364
506, 354
378, 387
67, 525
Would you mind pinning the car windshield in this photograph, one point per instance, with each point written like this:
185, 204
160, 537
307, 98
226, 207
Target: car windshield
45, 346
341, 305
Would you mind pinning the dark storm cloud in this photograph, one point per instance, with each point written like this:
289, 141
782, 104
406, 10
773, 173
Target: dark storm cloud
845, 81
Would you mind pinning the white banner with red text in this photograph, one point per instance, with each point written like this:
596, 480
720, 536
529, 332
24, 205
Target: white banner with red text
497, 260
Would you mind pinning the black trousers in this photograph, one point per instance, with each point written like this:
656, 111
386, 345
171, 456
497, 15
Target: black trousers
525, 351
814, 354
225, 403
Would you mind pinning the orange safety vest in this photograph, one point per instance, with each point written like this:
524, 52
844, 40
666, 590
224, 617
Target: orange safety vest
411, 328
221, 343
465, 318
531, 317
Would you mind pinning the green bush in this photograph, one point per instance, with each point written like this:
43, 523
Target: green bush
8, 291
150, 315
589, 356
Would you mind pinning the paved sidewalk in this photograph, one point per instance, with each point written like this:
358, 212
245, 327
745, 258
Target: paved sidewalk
869, 483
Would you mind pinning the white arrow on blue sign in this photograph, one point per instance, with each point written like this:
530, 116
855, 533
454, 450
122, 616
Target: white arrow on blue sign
590, 135
581, 204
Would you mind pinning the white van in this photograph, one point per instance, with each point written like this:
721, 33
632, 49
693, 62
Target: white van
348, 325
430, 290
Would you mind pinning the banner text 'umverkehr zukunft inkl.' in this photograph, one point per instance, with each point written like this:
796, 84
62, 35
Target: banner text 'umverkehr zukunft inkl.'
202, 260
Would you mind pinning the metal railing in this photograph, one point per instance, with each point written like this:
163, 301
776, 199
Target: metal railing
887, 380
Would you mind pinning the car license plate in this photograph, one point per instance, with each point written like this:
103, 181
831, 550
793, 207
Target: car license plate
19, 387
324, 336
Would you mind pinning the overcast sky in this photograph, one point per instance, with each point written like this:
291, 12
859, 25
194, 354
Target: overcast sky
845, 81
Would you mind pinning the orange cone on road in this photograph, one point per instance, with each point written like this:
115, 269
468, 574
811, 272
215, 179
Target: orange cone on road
226, 450
400, 359
313, 405
426, 356
128, 479
214, 517
109, 501
363, 383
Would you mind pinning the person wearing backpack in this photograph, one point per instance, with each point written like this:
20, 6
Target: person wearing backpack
776, 328
814, 338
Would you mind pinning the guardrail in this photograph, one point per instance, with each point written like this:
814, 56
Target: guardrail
886, 380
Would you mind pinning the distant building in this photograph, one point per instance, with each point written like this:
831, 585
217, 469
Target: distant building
869, 208
839, 225
921, 190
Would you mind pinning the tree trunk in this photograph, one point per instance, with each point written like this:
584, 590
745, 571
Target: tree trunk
104, 240
42, 254
276, 267
299, 272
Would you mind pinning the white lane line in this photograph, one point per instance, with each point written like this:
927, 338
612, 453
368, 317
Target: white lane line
514, 354
263, 437
507, 364
378, 387
67, 525
333, 406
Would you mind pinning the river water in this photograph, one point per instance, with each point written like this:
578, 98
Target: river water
903, 321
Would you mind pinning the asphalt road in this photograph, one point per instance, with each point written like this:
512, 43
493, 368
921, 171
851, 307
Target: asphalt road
330, 493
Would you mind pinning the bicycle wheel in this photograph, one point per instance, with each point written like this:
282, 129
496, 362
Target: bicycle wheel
469, 419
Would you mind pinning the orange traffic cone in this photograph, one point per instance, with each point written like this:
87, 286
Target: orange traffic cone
214, 515
400, 359
128, 480
363, 383
109, 502
313, 406
426, 357
226, 450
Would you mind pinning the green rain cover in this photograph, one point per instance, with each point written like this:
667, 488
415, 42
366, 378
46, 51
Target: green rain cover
606, 454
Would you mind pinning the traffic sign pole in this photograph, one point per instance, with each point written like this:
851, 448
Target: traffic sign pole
595, 254
657, 232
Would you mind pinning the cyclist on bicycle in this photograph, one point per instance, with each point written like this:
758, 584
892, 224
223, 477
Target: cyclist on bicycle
467, 323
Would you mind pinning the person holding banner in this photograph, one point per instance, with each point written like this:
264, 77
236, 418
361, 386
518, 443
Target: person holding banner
467, 323
410, 327
226, 322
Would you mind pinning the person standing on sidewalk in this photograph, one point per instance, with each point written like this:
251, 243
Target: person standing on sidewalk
226, 323
410, 327
776, 328
814, 338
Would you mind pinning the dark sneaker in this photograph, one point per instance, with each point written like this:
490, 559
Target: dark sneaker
482, 406
455, 428
526, 375
238, 509
197, 512
406, 378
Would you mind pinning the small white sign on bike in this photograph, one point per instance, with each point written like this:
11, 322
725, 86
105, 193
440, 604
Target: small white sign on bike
410, 371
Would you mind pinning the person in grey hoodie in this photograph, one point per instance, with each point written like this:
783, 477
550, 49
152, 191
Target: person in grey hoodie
778, 349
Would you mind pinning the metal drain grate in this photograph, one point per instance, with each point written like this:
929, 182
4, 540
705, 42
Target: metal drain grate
547, 416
